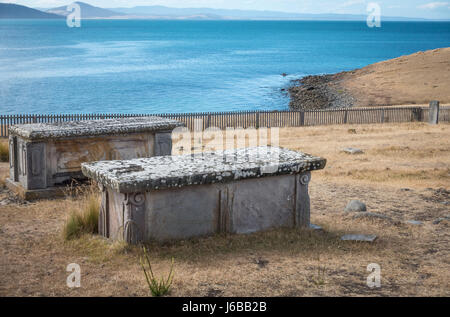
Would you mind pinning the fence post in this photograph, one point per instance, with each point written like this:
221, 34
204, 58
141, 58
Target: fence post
257, 120
433, 117
382, 116
417, 114
345, 116
208, 123
302, 118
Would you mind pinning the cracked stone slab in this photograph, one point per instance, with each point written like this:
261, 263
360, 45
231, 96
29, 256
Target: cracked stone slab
359, 237
144, 174
67, 129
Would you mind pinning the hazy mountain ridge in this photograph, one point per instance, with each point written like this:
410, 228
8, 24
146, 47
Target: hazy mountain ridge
244, 14
162, 12
87, 11
15, 11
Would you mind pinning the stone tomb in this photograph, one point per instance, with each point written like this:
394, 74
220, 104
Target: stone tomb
177, 197
46, 155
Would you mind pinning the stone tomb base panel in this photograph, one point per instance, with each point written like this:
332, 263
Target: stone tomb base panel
243, 206
33, 194
260, 204
65, 156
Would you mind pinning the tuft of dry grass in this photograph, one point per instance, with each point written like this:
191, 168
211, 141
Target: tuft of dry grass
83, 219
4, 151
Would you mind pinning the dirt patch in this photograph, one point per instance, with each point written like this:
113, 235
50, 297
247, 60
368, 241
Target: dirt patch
440, 195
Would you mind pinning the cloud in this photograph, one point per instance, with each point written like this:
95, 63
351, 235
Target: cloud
434, 5
351, 3
38, 3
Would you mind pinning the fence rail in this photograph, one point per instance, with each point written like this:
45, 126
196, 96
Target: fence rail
245, 119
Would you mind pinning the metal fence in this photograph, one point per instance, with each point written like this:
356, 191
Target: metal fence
245, 119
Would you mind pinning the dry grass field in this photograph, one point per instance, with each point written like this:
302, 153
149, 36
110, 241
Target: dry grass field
404, 173
415, 78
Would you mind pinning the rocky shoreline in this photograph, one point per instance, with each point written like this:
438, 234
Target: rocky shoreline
319, 92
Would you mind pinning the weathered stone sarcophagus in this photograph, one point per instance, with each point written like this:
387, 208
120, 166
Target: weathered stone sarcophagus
176, 197
46, 155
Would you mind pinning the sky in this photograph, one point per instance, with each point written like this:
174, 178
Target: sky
405, 8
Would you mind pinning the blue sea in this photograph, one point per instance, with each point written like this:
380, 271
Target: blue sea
142, 66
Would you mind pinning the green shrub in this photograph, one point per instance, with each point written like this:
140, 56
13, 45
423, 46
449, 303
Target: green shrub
84, 219
160, 288
4, 152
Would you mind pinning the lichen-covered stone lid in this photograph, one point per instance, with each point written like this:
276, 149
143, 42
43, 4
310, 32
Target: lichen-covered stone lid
160, 172
38, 131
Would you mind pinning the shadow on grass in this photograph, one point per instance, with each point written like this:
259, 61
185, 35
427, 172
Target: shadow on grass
284, 241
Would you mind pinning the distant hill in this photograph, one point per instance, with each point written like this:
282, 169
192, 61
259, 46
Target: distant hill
162, 11
87, 11
15, 11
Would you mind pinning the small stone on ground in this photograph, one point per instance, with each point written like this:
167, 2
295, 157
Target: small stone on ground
352, 150
214, 292
261, 262
315, 227
439, 220
355, 205
359, 237
414, 222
